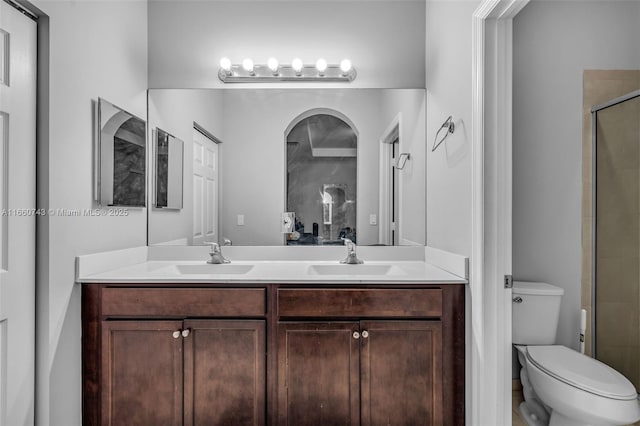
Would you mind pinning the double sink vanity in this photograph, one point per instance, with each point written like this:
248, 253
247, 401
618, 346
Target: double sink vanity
284, 334
279, 336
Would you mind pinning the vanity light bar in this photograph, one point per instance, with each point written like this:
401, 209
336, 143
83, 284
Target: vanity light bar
248, 72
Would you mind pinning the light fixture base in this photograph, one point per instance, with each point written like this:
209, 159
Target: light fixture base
263, 74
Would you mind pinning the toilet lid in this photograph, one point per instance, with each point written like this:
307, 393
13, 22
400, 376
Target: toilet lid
581, 371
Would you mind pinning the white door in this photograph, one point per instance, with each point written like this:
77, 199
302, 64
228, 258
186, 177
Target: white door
205, 189
17, 207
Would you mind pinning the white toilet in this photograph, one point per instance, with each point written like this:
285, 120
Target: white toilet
563, 387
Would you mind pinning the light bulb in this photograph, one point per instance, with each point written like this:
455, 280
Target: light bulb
321, 66
225, 64
345, 66
247, 64
272, 63
296, 64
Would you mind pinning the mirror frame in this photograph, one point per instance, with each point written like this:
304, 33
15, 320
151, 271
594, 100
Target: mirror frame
105, 152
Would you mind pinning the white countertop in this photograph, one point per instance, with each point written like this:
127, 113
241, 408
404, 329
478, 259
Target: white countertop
396, 265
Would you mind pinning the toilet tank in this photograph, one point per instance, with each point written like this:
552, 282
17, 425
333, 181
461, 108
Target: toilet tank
536, 309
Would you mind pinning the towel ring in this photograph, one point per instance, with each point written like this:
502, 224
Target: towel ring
450, 126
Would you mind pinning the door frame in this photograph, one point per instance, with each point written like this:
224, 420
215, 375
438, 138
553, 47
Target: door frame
390, 134
489, 388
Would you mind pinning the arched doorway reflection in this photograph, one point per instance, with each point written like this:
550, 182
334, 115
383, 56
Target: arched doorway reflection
322, 178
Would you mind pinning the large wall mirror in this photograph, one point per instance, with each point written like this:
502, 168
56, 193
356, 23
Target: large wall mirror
328, 156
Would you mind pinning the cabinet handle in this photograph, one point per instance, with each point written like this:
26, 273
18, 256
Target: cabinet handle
365, 334
185, 332
517, 299
176, 334
356, 335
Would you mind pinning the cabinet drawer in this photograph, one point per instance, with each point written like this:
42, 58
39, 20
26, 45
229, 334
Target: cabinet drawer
360, 303
183, 302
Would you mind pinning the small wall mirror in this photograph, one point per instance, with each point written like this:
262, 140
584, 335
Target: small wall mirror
168, 170
121, 157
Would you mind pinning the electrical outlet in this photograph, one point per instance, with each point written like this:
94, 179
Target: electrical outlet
373, 219
240, 220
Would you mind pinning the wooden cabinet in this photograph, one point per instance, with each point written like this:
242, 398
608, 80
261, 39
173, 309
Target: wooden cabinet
401, 373
142, 373
224, 367
360, 372
318, 374
275, 354
155, 371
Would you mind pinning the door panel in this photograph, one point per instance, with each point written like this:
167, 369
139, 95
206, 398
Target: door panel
198, 209
225, 378
17, 221
401, 373
141, 373
205, 184
318, 374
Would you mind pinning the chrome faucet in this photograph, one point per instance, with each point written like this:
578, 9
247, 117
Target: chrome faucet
352, 258
215, 254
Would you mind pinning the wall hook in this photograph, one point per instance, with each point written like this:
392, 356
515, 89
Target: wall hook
450, 126
402, 160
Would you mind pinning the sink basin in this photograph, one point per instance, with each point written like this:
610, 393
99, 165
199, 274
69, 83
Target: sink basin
222, 269
363, 269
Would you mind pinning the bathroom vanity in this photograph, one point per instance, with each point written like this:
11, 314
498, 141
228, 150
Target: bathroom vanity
252, 345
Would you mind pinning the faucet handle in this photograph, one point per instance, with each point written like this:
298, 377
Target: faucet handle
215, 247
227, 242
352, 258
347, 242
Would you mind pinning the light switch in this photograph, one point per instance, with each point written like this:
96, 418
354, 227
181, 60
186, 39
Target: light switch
373, 219
240, 220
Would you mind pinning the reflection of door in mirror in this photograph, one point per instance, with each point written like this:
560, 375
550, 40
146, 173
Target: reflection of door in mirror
205, 189
321, 178
390, 187
395, 189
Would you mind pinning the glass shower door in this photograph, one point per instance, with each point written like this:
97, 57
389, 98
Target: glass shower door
617, 235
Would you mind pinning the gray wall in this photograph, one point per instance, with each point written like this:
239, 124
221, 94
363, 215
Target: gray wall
383, 39
553, 43
174, 111
448, 83
255, 177
97, 49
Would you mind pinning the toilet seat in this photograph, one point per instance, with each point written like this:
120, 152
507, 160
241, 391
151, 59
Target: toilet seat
581, 371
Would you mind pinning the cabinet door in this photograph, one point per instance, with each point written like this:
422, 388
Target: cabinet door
225, 379
141, 373
401, 373
318, 374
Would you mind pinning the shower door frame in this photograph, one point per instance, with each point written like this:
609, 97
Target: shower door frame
594, 202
